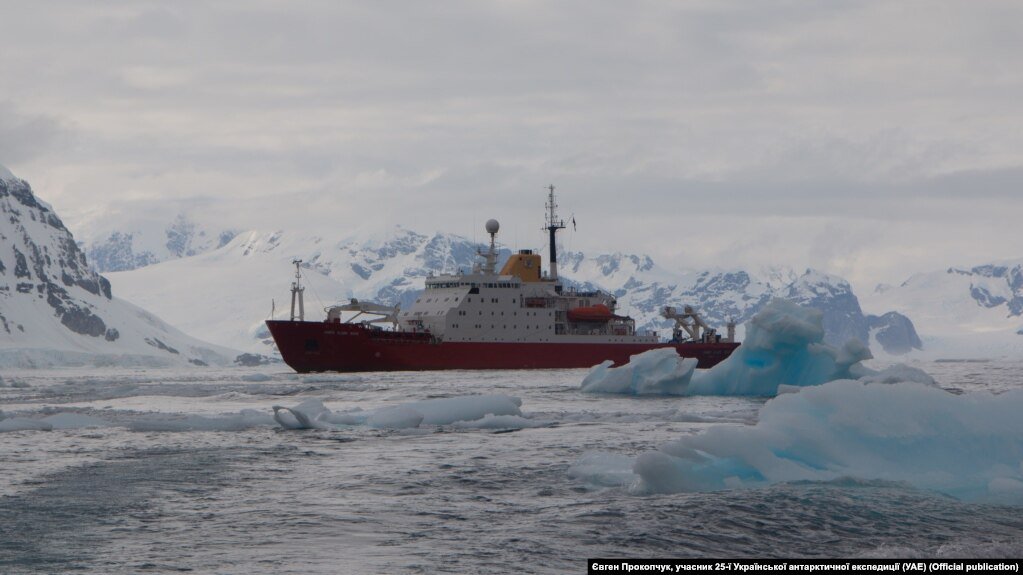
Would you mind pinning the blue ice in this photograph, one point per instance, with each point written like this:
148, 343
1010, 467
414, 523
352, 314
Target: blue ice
968, 446
834, 418
784, 346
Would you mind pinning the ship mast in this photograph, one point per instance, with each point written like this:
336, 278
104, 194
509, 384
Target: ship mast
553, 225
492, 228
297, 292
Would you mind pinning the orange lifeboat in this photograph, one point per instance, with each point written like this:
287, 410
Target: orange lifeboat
593, 313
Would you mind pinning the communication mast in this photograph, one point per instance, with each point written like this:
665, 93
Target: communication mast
553, 225
297, 291
492, 227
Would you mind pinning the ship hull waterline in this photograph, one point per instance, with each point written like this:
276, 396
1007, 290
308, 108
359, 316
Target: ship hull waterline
308, 346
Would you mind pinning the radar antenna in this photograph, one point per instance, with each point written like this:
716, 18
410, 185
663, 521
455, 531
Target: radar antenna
492, 227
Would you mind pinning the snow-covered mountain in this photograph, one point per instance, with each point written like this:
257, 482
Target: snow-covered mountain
56, 310
962, 312
147, 245
136, 235
224, 295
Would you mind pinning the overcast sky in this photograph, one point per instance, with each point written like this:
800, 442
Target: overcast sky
867, 139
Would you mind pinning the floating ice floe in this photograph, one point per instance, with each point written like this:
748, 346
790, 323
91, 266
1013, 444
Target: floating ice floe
655, 372
472, 411
482, 411
967, 446
491, 421
784, 348
831, 418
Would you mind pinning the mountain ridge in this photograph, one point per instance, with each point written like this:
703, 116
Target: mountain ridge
389, 267
56, 309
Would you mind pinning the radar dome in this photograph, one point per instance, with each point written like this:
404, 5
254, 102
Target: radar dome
493, 226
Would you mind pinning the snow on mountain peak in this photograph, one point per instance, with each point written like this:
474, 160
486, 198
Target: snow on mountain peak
389, 266
6, 174
963, 311
55, 309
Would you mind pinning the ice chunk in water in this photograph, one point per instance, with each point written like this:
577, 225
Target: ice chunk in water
967, 446
655, 372
399, 417
893, 425
448, 410
784, 346
445, 411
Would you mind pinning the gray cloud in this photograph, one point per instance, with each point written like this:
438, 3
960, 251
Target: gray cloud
872, 124
24, 137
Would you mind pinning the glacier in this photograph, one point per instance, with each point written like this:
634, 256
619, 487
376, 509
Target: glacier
968, 312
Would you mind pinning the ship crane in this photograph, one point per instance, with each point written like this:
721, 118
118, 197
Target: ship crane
383, 313
689, 323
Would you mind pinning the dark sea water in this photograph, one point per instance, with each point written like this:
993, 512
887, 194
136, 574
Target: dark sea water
141, 496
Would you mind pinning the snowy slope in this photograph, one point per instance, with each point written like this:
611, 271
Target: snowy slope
225, 294
56, 310
137, 234
962, 312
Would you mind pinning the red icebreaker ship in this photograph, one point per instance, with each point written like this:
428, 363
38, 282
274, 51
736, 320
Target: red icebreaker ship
518, 318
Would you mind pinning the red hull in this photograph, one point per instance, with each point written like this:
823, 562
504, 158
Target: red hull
320, 346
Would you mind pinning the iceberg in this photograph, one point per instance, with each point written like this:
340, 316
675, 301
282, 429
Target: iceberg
655, 372
830, 418
784, 346
966, 446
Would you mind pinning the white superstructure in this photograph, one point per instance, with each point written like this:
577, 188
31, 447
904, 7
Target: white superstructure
519, 304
